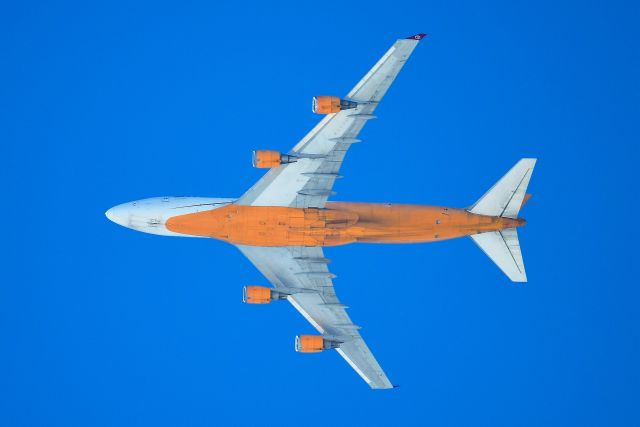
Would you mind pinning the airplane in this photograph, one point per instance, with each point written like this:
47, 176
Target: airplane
282, 223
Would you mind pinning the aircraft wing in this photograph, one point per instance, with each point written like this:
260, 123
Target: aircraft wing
308, 182
302, 273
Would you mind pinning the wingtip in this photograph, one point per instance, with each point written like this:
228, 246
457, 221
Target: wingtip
417, 36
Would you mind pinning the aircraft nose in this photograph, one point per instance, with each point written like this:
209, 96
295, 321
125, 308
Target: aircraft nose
118, 214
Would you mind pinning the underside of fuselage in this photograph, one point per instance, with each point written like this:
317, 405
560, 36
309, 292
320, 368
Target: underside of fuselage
338, 224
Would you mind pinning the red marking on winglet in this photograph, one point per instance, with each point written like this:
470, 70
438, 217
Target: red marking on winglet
417, 36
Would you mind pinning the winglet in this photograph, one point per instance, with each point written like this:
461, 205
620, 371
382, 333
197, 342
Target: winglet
417, 36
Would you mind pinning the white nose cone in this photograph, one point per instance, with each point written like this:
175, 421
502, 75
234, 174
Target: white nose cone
150, 215
118, 214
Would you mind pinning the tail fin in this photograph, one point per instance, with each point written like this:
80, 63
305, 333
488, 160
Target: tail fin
505, 199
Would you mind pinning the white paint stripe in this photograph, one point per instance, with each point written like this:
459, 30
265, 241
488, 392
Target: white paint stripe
305, 314
353, 365
371, 72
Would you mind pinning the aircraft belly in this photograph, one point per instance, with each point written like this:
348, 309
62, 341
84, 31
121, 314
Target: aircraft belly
268, 226
339, 224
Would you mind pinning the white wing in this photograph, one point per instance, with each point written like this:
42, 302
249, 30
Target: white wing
309, 181
302, 272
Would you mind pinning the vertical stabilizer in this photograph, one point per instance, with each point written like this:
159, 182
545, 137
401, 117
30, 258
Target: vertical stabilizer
506, 196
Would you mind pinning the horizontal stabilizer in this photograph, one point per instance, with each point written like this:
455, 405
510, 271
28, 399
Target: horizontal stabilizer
503, 248
506, 197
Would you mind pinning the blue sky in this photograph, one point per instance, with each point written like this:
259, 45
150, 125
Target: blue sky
106, 103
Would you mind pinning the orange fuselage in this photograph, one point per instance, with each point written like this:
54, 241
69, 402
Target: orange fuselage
340, 223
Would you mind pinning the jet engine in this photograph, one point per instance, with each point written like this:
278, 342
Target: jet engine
260, 295
314, 344
263, 159
330, 104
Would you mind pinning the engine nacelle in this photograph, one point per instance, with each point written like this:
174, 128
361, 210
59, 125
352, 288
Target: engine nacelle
260, 295
330, 104
314, 344
264, 159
